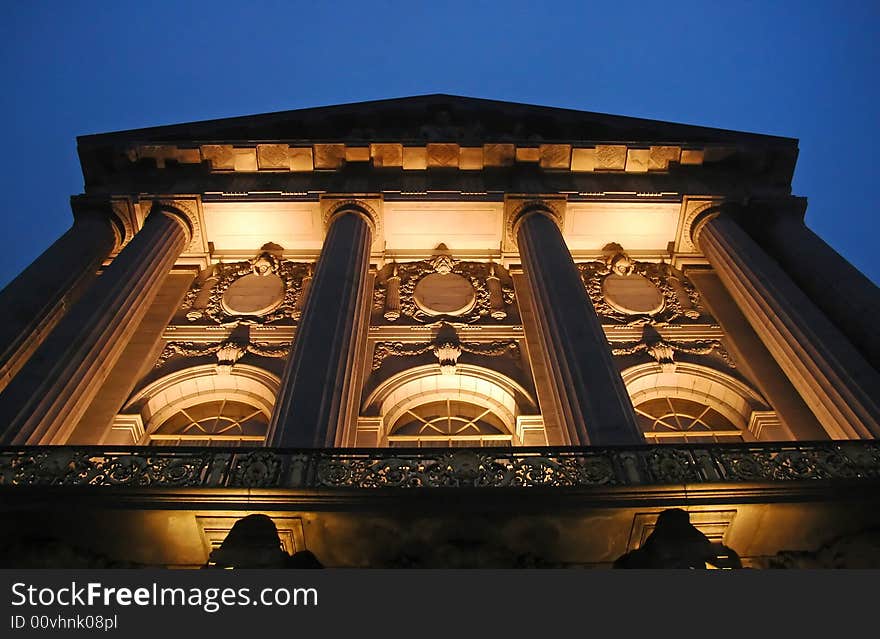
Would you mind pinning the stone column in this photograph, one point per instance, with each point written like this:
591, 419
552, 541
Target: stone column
849, 299
311, 402
837, 383
753, 358
35, 300
596, 407
52, 391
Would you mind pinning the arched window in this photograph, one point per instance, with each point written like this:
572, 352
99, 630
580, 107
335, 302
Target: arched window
223, 422
448, 422
199, 407
673, 420
695, 404
476, 407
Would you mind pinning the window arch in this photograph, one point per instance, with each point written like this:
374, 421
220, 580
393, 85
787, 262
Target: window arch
694, 404
422, 407
199, 407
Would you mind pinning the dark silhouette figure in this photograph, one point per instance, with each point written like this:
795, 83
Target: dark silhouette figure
676, 543
253, 542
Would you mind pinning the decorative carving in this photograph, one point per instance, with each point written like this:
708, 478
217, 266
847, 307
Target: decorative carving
190, 209
487, 349
294, 277
386, 349
663, 350
560, 467
228, 352
679, 296
491, 293
447, 353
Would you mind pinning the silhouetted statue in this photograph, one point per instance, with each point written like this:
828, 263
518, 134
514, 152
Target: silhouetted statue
253, 542
676, 543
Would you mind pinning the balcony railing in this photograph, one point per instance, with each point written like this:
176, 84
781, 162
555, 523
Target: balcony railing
161, 467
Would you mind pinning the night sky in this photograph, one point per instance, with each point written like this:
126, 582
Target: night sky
807, 70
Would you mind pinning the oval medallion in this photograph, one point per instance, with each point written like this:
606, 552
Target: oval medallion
444, 294
253, 295
632, 294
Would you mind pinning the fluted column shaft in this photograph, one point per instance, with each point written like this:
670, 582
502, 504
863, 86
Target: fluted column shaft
837, 383
35, 300
596, 407
849, 299
310, 404
43, 403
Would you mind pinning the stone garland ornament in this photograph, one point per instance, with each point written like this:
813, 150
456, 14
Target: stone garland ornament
624, 291
442, 288
262, 290
228, 352
663, 350
445, 351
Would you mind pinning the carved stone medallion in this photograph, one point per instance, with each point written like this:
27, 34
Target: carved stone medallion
444, 294
632, 294
253, 295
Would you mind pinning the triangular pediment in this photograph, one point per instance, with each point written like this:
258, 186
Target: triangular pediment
434, 118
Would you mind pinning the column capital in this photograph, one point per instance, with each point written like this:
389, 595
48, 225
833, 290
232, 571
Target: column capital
178, 211
518, 209
117, 212
369, 208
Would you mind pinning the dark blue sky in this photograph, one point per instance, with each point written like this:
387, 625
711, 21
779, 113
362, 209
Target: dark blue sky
800, 69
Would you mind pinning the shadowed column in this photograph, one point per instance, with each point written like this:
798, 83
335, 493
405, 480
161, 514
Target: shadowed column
310, 404
43, 403
596, 407
35, 300
838, 288
837, 383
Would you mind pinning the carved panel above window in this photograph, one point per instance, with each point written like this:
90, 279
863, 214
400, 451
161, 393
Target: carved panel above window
443, 289
625, 291
263, 290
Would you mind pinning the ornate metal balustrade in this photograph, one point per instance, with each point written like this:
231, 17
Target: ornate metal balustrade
432, 468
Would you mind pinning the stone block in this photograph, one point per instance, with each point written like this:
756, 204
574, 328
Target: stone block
661, 156
220, 156
470, 158
245, 159
610, 157
301, 158
357, 154
555, 156
415, 158
528, 154
583, 160
498, 154
637, 160
329, 156
272, 157
387, 155
692, 156
442, 155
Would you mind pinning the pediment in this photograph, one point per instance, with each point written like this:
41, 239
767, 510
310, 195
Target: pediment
435, 118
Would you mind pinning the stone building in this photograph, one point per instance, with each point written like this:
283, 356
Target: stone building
438, 331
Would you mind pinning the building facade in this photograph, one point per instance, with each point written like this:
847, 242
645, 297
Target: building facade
438, 331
